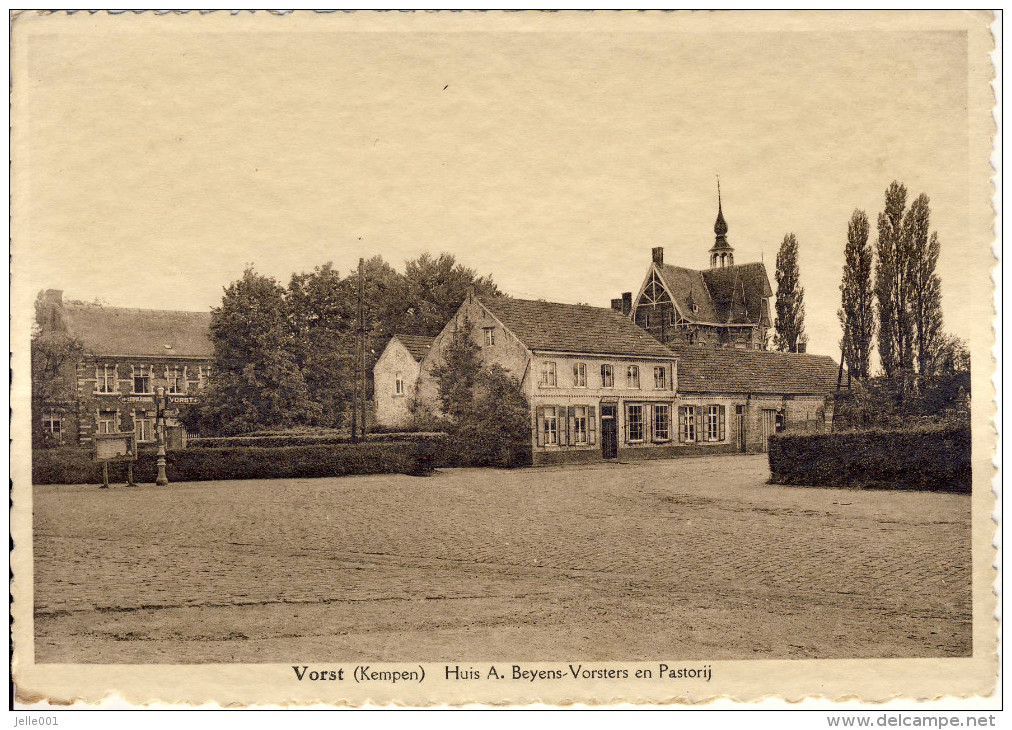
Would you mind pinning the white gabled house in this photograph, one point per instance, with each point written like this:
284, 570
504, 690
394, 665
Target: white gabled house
395, 379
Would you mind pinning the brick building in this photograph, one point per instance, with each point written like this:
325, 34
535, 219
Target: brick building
127, 353
395, 377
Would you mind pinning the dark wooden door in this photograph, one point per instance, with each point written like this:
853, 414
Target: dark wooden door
609, 433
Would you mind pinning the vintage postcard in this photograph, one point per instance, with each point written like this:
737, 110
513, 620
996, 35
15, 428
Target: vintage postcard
483, 357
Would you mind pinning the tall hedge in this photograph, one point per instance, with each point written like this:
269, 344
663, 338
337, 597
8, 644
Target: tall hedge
933, 459
75, 466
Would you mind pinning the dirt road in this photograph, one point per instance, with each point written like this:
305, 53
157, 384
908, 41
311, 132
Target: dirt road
687, 559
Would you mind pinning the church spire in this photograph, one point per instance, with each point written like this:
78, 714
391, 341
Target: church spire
721, 254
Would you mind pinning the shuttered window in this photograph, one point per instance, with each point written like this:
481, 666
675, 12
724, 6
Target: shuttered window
592, 425
715, 429
550, 426
578, 425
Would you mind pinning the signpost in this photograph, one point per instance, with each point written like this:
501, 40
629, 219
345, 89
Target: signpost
116, 447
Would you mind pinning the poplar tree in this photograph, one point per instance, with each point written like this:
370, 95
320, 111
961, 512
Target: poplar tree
857, 316
790, 302
924, 287
894, 340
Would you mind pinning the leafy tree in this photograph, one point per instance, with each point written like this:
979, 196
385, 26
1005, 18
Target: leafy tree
857, 315
435, 287
256, 383
951, 356
790, 302
457, 375
323, 328
54, 355
894, 334
496, 429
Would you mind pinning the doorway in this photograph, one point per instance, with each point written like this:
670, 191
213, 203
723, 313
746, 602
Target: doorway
739, 412
609, 432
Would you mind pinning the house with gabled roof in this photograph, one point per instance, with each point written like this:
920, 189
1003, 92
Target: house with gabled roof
598, 385
127, 354
395, 378
726, 305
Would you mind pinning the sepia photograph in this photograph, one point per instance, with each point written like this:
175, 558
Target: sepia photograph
483, 357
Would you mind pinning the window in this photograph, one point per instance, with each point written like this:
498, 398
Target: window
398, 384
580, 375
192, 378
714, 423
203, 375
551, 427
549, 378
142, 378
632, 376
579, 425
107, 422
105, 377
52, 423
662, 422
660, 378
634, 422
687, 423
144, 428
174, 376
607, 376
489, 335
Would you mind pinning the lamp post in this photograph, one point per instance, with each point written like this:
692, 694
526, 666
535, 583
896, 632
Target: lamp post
160, 480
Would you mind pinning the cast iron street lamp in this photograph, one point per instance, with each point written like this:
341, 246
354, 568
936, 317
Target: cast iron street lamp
161, 480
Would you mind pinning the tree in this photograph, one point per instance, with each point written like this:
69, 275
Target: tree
924, 293
256, 383
951, 356
894, 334
790, 302
458, 373
496, 428
906, 285
434, 290
323, 328
54, 355
857, 316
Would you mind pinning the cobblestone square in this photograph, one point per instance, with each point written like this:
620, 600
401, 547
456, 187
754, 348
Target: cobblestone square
671, 559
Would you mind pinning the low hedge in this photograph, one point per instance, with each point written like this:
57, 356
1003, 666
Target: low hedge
301, 439
932, 459
75, 466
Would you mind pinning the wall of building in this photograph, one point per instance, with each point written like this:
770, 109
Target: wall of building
393, 408
123, 407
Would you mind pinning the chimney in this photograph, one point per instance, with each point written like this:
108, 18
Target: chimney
658, 255
616, 304
53, 296
626, 302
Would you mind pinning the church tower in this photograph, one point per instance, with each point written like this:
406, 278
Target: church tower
722, 254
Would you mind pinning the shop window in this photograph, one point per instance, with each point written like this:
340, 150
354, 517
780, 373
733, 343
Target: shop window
634, 422
662, 422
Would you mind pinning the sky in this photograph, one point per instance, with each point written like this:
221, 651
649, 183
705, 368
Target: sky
157, 168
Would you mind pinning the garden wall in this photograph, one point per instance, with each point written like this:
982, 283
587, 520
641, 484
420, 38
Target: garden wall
933, 459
